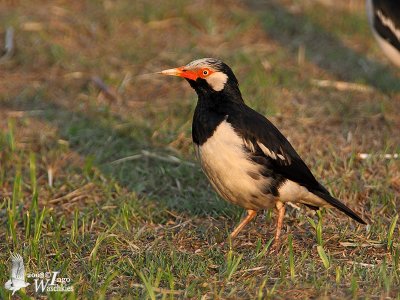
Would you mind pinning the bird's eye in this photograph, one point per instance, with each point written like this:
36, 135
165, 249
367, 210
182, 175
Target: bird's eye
205, 72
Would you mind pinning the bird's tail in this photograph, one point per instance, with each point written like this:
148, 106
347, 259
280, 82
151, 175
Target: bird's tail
339, 205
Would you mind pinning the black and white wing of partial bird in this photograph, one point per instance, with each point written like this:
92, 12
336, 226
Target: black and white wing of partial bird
384, 19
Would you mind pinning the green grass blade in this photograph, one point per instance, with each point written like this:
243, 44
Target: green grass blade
32, 172
147, 284
323, 256
10, 135
291, 257
392, 227
232, 264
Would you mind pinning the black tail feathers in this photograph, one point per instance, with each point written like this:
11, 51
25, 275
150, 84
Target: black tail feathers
339, 205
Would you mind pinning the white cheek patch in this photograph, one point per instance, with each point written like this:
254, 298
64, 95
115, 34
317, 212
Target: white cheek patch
217, 81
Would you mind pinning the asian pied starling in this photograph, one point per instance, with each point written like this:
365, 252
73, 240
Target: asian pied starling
246, 158
384, 18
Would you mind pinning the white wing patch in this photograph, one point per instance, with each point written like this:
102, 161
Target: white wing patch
391, 52
389, 23
249, 145
267, 151
272, 154
281, 156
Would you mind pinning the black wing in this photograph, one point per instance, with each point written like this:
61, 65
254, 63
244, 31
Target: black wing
263, 139
386, 20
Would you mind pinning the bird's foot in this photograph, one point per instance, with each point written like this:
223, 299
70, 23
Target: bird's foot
276, 247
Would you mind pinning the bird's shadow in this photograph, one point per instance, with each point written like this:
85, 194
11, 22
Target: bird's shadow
178, 186
322, 48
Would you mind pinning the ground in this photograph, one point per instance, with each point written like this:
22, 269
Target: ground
98, 177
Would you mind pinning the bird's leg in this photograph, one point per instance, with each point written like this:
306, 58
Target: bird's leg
250, 216
280, 207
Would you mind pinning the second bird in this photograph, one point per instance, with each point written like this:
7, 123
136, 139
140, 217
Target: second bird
246, 158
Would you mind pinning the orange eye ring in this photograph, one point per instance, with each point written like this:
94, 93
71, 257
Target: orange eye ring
204, 72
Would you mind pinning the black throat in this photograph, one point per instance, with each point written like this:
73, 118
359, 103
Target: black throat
213, 107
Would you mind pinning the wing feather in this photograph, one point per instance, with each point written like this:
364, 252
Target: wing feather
262, 138
387, 21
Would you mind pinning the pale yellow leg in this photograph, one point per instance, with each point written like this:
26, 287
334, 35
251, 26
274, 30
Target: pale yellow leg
250, 216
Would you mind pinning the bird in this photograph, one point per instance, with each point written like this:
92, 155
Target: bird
17, 280
246, 158
384, 20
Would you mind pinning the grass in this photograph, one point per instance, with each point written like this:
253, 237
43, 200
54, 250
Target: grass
149, 226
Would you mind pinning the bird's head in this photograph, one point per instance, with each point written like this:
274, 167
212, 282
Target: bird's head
207, 76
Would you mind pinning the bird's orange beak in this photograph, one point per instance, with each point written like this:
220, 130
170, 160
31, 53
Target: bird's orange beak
180, 72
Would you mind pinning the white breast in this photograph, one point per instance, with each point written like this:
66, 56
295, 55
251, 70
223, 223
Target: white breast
228, 167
